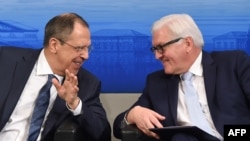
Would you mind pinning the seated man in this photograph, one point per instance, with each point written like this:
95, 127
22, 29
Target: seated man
29, 111
220, 84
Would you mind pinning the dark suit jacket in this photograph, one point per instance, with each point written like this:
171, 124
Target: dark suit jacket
227, 84
16, 66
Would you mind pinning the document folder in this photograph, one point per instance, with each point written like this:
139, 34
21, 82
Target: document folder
166, 133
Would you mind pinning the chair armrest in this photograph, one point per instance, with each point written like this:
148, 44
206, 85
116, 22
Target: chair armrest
69, 131
132, 133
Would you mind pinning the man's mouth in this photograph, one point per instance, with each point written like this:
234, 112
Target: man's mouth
79, 64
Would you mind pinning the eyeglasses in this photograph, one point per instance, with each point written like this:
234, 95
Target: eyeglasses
160, 48
77, 48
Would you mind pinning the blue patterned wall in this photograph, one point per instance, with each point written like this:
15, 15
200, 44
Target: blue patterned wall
121, 31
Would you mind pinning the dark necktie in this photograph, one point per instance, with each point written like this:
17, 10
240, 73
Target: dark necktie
39, 112
197, 117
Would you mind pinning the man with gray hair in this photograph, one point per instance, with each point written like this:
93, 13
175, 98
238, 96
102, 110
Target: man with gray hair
219, 80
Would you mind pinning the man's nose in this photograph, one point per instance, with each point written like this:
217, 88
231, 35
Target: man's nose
84, 54
158, 55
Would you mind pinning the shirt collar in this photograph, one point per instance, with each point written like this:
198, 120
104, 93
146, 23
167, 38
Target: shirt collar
196, 67
43, 67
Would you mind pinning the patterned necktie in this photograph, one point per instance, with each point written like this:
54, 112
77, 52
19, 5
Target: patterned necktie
197, 117
39, 112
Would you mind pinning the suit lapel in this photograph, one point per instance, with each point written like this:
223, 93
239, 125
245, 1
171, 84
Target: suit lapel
209, 71
167, 98
173, 85
56, 115
20, 75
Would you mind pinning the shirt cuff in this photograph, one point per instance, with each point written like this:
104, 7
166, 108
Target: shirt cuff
125, 120
78, 109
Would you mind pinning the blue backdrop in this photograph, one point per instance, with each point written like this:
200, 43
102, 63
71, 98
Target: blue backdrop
121, 31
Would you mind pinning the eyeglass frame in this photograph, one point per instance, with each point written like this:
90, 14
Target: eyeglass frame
77, 48
160, 48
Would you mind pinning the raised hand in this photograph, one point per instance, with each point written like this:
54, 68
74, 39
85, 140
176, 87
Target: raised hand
68, 91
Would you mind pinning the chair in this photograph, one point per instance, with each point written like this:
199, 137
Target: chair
132, 133
69, 131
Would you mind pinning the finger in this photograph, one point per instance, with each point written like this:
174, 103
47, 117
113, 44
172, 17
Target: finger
156, 120
67, 75
156, 124
77, 89
150, 133
56, 83
73, 79
158, 116
76, 80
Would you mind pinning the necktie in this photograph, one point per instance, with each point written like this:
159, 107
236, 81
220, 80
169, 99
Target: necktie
41, 106
197, 117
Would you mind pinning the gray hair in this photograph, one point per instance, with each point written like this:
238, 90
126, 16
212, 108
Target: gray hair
180, 25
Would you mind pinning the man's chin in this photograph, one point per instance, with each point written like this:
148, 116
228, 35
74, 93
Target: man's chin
167, 71
74, 70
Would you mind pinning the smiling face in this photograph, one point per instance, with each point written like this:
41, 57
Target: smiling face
177, 57
80, 38
70, 53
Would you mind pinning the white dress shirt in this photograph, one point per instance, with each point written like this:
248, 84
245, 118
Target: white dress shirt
198, 82
17, 128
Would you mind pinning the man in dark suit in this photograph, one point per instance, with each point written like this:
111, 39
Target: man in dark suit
221, 80
74, 94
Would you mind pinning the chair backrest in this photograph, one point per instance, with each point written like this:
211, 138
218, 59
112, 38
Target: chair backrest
69, 131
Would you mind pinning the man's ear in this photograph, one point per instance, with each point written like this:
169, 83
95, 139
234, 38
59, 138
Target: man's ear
189, 43
53, 45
